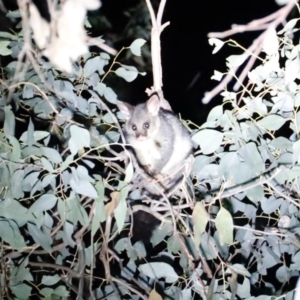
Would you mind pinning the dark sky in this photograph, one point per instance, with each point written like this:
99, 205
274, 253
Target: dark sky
187, 54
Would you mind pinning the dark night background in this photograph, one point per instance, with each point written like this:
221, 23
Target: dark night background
187, 59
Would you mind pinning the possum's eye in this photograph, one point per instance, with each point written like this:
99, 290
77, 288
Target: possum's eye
146, 125
133, 127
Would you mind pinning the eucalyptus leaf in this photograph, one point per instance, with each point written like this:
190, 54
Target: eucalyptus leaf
271, 122
39, 237
50, 279
208, 139
224, 225
10, 233
136, 45
22, 291
128, 75
52, 154
4, 50
80, 138
9, 121
45, 202
200, 219
158, 270
83, 187
121, 210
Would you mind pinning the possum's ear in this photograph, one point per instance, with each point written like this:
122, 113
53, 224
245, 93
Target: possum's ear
125, 108
153, 105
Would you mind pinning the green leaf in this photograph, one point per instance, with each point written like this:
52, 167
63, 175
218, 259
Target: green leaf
156, 270
272, 122
16, 182
288, 26
215, 113
36, 136
8, 209
47, 165
99, 215
234, 61
199, 162
50, 280
68, 234
19, 274
47, 292
224, 225
256, 194
4, 50
22, 291
10, 233
48, 179
239, 269
9, 121
208, 139
296, 152
217, 43
16, 149
83, 187
271, 43
39, 237
217, 75
28, 92
281, 143
52, 154
160, 233
129, 172
128, 75
136, 45
110, 95
8, 35
80, 138
65, 164
121, 210
200, 219
271, 204
45, 202
61, 291
252, 158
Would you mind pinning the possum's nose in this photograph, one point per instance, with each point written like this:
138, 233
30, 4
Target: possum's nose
141, 137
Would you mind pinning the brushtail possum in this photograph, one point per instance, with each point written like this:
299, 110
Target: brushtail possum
160, 141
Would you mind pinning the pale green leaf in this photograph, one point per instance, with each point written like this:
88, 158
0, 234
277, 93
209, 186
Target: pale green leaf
128, 75
272, 122
45, 202
9, 121
83, 187
121, 210
217, 43
224, 225
271, 43
156, 270
4, 50
80, 138
136, 45
52, 154
50, 280
200, 219
208, 139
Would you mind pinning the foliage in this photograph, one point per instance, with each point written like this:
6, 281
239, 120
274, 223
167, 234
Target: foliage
69, 206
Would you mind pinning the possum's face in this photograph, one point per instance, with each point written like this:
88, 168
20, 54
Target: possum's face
142, 120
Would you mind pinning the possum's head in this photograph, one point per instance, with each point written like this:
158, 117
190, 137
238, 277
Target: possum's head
142, 120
